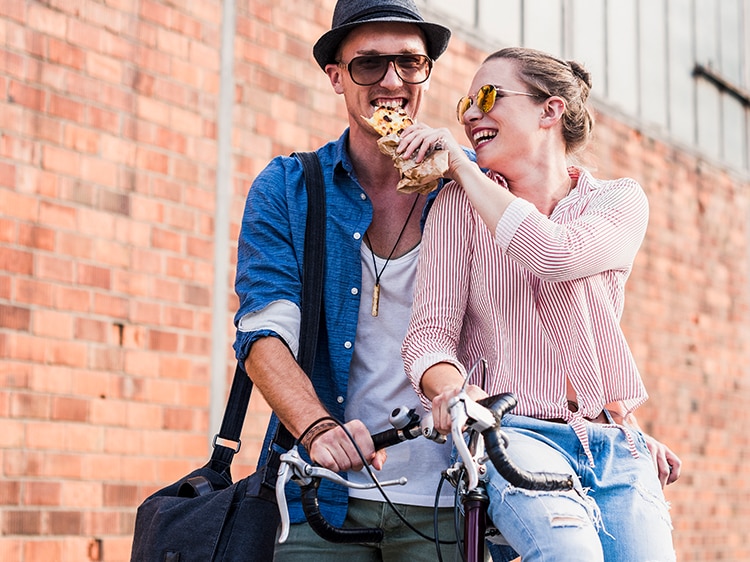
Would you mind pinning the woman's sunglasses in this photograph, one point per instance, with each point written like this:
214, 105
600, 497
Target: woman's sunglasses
486, 97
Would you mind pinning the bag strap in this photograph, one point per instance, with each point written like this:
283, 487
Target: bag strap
312, 296
311, 304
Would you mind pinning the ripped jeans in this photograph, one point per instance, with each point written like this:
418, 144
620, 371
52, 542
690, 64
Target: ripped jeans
617, 511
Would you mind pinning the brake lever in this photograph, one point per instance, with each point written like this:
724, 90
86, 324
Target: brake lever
467, 414
294, 467
287, 460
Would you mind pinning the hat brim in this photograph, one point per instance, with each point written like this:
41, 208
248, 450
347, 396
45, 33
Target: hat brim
436, 38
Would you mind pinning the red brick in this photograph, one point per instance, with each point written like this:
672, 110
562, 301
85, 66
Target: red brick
60, 160
178, 317
93, 276
198, 296
114, 307
71, 354
26, 96
35, 236
166, 239
71, 298
16, 261
52, 268
74, 245
14, 317
46, 21
152, 160
18, 149
7, 175
58, 215
65, 522
43, 550
15, 9
62, 466
42, 493
70, 409
160, 340
22, 523
101, 118
66, 53
53, 324
10, 492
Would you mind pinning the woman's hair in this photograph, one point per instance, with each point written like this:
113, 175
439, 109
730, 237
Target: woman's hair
549, 76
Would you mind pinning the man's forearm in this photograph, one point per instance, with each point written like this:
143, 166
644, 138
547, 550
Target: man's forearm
285, 386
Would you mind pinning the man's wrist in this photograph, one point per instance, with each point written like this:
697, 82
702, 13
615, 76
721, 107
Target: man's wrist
316, 431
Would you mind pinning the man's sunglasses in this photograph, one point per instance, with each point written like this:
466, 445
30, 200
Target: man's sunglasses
368, 70
486, 97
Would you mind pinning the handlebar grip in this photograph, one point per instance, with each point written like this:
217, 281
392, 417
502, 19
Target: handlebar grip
494, 444
387, 438
324, 529
517, 476
500, 404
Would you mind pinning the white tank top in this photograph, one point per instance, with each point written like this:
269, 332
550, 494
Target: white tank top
378, 384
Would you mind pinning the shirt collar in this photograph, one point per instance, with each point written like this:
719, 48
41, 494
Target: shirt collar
341, 154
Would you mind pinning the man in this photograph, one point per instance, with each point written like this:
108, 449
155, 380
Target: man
378, 53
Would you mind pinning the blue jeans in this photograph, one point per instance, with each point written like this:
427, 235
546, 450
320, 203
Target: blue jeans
616, 512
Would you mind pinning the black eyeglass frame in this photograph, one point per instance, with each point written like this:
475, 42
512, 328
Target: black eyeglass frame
424, 60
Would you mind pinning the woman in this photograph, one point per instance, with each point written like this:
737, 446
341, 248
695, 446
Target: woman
524, 266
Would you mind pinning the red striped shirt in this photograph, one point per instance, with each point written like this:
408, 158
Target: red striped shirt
540, 301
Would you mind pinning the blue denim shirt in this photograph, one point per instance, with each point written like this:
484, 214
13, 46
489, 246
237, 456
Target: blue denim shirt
269, 269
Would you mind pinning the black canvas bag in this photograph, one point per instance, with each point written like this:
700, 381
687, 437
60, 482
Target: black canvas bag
204, 516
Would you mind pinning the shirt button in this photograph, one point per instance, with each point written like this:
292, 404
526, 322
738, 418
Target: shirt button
340, 399
348, 344
357, 236
355, 291
362, 196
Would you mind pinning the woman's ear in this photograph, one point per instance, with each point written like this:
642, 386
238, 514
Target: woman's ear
552, 111
335, 75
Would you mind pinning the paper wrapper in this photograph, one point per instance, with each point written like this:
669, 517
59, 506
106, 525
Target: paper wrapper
415, 178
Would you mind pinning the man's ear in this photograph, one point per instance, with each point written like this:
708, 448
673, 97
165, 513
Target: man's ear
552, 111
335, 75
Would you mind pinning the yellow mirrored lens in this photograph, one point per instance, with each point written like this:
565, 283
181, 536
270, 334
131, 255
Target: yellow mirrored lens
486, 97
463, 106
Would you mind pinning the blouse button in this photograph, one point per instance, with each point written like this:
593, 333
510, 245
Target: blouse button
347, 344
357, 236
355, 291
340, 399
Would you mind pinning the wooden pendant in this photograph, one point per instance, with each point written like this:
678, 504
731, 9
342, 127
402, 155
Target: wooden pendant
375, 299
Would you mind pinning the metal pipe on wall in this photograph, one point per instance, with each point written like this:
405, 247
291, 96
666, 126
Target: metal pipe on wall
220, 316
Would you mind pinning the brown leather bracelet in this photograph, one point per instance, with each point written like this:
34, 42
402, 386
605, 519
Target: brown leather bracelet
315, 432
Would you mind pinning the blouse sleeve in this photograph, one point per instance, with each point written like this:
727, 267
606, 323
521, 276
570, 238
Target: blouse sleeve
441, 289
605, 235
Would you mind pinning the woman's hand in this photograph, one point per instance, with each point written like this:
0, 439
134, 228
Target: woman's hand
419, 140
441, 415
667, 464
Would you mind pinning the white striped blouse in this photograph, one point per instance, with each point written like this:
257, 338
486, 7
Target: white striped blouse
541, 301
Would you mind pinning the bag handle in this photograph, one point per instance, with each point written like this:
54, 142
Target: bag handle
311, 304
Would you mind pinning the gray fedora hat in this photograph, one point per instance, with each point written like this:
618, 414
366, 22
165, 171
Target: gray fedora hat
348, 14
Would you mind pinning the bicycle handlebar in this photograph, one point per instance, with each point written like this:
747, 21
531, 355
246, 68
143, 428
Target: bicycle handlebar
407, 425
483, 416
324, 529
495, 445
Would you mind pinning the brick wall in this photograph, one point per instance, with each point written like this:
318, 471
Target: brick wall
107, 187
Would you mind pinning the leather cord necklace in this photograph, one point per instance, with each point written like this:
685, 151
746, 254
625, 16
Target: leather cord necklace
376, 288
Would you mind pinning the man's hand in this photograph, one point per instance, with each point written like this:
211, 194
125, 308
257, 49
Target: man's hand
334, 450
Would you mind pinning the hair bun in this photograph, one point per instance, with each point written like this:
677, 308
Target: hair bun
581, 73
